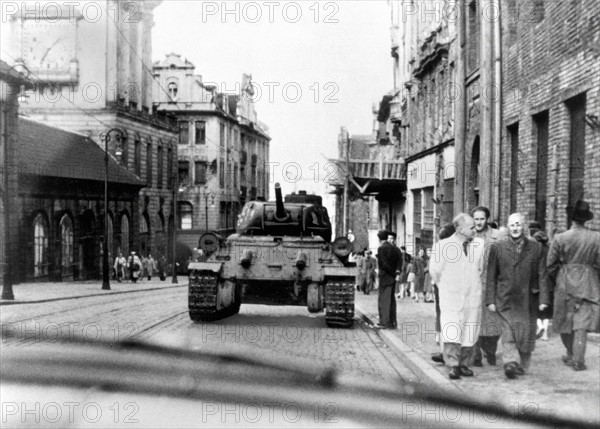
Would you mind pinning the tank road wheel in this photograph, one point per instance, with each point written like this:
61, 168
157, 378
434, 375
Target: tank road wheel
339, 302
314, 298
210, 298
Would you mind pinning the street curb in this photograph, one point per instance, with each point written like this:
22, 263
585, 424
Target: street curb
419, 366
64, 298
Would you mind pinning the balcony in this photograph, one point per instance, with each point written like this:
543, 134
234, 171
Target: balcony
373, 176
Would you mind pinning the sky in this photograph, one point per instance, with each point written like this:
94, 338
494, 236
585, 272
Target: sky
318, 66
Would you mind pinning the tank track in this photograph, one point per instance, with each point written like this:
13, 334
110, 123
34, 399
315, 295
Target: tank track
339, 299
202, 296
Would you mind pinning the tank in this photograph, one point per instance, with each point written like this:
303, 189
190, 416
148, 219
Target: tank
281, 254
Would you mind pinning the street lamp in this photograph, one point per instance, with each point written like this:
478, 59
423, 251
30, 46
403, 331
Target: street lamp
174, 259
212, 204
105, 270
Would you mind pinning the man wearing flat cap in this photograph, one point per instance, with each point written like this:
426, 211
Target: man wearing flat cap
574, 268
389, 261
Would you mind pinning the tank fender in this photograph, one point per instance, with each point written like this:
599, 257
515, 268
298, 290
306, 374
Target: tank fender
339, 271
215, 267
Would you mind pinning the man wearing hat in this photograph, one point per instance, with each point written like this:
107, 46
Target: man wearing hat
574, 268
389, 260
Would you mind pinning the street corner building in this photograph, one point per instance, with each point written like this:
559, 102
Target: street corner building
94, 79
222, 150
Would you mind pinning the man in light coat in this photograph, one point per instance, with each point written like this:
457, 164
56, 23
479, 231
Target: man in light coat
515, 273
489, 335
456, 265
574, 267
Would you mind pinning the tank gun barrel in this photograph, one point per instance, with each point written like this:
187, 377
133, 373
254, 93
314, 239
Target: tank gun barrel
280, 213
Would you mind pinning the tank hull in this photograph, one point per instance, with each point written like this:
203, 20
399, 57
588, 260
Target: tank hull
274, 271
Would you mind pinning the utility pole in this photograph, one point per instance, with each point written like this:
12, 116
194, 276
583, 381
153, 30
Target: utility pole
346, 148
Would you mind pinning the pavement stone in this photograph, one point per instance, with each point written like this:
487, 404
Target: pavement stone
548, 387
30, 293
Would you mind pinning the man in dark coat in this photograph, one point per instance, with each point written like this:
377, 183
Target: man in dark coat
574, 267
389, 261
489, 335
515, 271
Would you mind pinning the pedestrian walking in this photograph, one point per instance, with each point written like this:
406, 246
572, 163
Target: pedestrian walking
150, 266
406, 259
489, 335
119, 266
369, 267
456, 266
161, 267
389, 261
445, 232
574, 268
418, 268
144, 270
543, 321
360, 271
134, 264
515, 272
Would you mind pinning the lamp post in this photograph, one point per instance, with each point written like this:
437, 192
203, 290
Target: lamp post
105, 270
212, 204
175, 188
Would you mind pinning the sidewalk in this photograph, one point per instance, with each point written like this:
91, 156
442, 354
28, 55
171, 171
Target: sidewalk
549, 386
31, 293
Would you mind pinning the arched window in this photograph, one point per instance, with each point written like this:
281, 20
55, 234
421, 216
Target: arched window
66, 236
173, 91
125, 234
40, 245
144, 234
185, 215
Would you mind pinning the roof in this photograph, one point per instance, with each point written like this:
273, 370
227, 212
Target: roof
47, 151
16, 74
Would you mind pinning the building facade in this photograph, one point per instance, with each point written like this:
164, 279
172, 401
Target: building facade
483, 120
94, 77
223, 150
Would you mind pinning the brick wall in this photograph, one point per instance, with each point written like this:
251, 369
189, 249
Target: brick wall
550, 54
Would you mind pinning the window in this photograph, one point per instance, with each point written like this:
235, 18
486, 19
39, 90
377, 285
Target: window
541, 127
184, 172
577, 109
200, 136
513, 133
448, 199
40, 246
222, 173
125, 150
170, 168
417, 213
149, 164
185, 215
138, 155
473, 36
173, 91
144, 233
184, 132
427, 229
125, 234
222, 136
66, 235
159, 168
200, 172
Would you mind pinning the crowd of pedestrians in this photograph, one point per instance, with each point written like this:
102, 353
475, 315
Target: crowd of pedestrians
135, 268
499, 287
